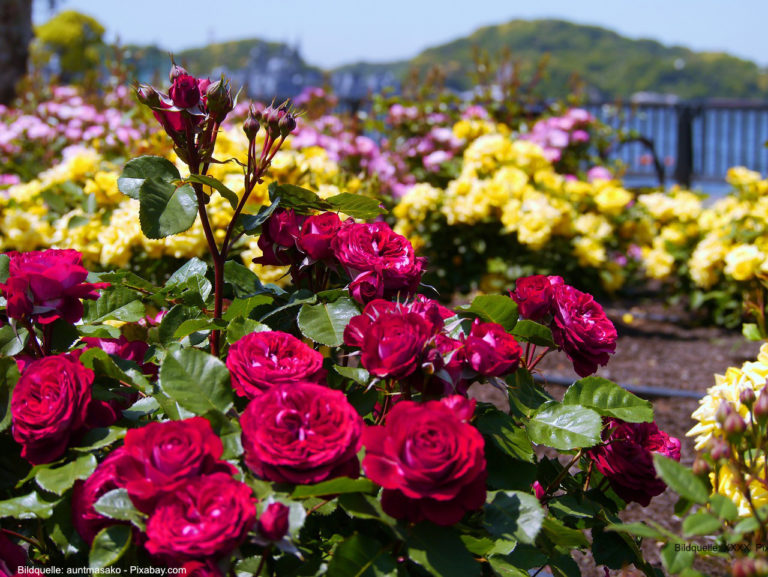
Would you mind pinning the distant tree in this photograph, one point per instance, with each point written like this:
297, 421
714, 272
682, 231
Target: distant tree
15, 36
75, 38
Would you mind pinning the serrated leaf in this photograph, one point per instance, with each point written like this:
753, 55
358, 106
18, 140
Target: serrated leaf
193, 267
240, 327
5, 262
362, 556
116, 504
564, 427
337, 486
356, 205
165, 208
137, 170
101, 437
609, 400
195, 325
29, 506
324, 323
199, 382
217, 185
119, 304
251, 223
723, 507
514, 516
244, 281
509, 437
440, 551
109, 545
60, 479
357, 374
12, 342
565, 538
497, 309
680, 479
296, 198
535, 333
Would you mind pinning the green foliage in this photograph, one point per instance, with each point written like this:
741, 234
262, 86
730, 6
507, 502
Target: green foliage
75, 38
324, 323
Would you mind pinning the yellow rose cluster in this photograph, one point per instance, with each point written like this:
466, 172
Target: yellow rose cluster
728, 389
76, 204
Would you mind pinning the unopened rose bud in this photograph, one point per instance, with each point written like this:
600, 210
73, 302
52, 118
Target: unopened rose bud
219, 97
177, 71
723, 411
719, 449
760, 409
148, 96
185, 91
251, 127
744, 567
273, 523
747, 397
287, 124
700, 466
734, 425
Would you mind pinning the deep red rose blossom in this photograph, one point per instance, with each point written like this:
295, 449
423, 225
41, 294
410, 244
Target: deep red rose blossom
317, 233
301, 433
12, 556
86, 493
626, 458
394, 343
48, 285
49, 406
490, 350
208, 516
260, 361
582, 330
185, 91
273, 522
534, 297
356, 329
164, 456
429, 460
279, 237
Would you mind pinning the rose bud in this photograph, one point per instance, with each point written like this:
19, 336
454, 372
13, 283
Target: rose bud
538, 490
176, 71
760, 409
744, 567
747, 397
734, 426
273, 522
251, 127
719, 449
722, 412
219, 97
286, 124
148, 96
700, 467
185, 91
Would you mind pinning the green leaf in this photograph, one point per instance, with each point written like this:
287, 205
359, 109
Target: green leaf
440, 551
363, 506
119, 304
243, 307
565, 427
723, 507
199, 382
509, 437
12, 340
514, 515
30, 506
497, 309
109, 545
751, 332
165, 208
525, 396
337, 486
104, 364
99, 331
244, 281
676, 560
681, 480
609, 400
240, 327
193, 267
195, 325
565, 538
137, 170
251, 223
173, 320
9, 375
324, 323
356, 205
701, 523
116, 504
101, 437
61, 479
5, 262
296, 198
362, 556
503, 568
357, 374
614, 550
217, 185
535, 333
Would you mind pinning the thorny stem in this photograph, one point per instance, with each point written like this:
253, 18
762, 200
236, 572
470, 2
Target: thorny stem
538, 359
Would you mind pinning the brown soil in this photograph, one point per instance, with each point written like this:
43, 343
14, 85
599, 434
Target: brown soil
659, 347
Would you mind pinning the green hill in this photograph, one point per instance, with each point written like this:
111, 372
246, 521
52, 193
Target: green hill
608, 63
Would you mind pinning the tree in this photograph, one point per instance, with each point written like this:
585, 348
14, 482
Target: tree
75, 38
15, 36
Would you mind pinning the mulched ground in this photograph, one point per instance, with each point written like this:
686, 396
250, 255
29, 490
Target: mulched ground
661, 347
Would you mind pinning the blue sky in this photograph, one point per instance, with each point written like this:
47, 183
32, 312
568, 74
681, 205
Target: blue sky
333, 32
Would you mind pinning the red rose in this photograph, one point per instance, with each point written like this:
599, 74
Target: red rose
273, 522
164, 456
393, 344
125, 349
582, 330
432, 312
12, 556
260, 361
490, 350
301, 433
626, 458
278, 238
356, 329
205, 517
49, 406
449, 369
374, 247
533, 295
367, 286
317, 233
185, 91
201, 569
48, 285
429, 460
86, 493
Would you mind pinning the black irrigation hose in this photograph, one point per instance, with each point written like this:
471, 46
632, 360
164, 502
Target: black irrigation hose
639, 390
